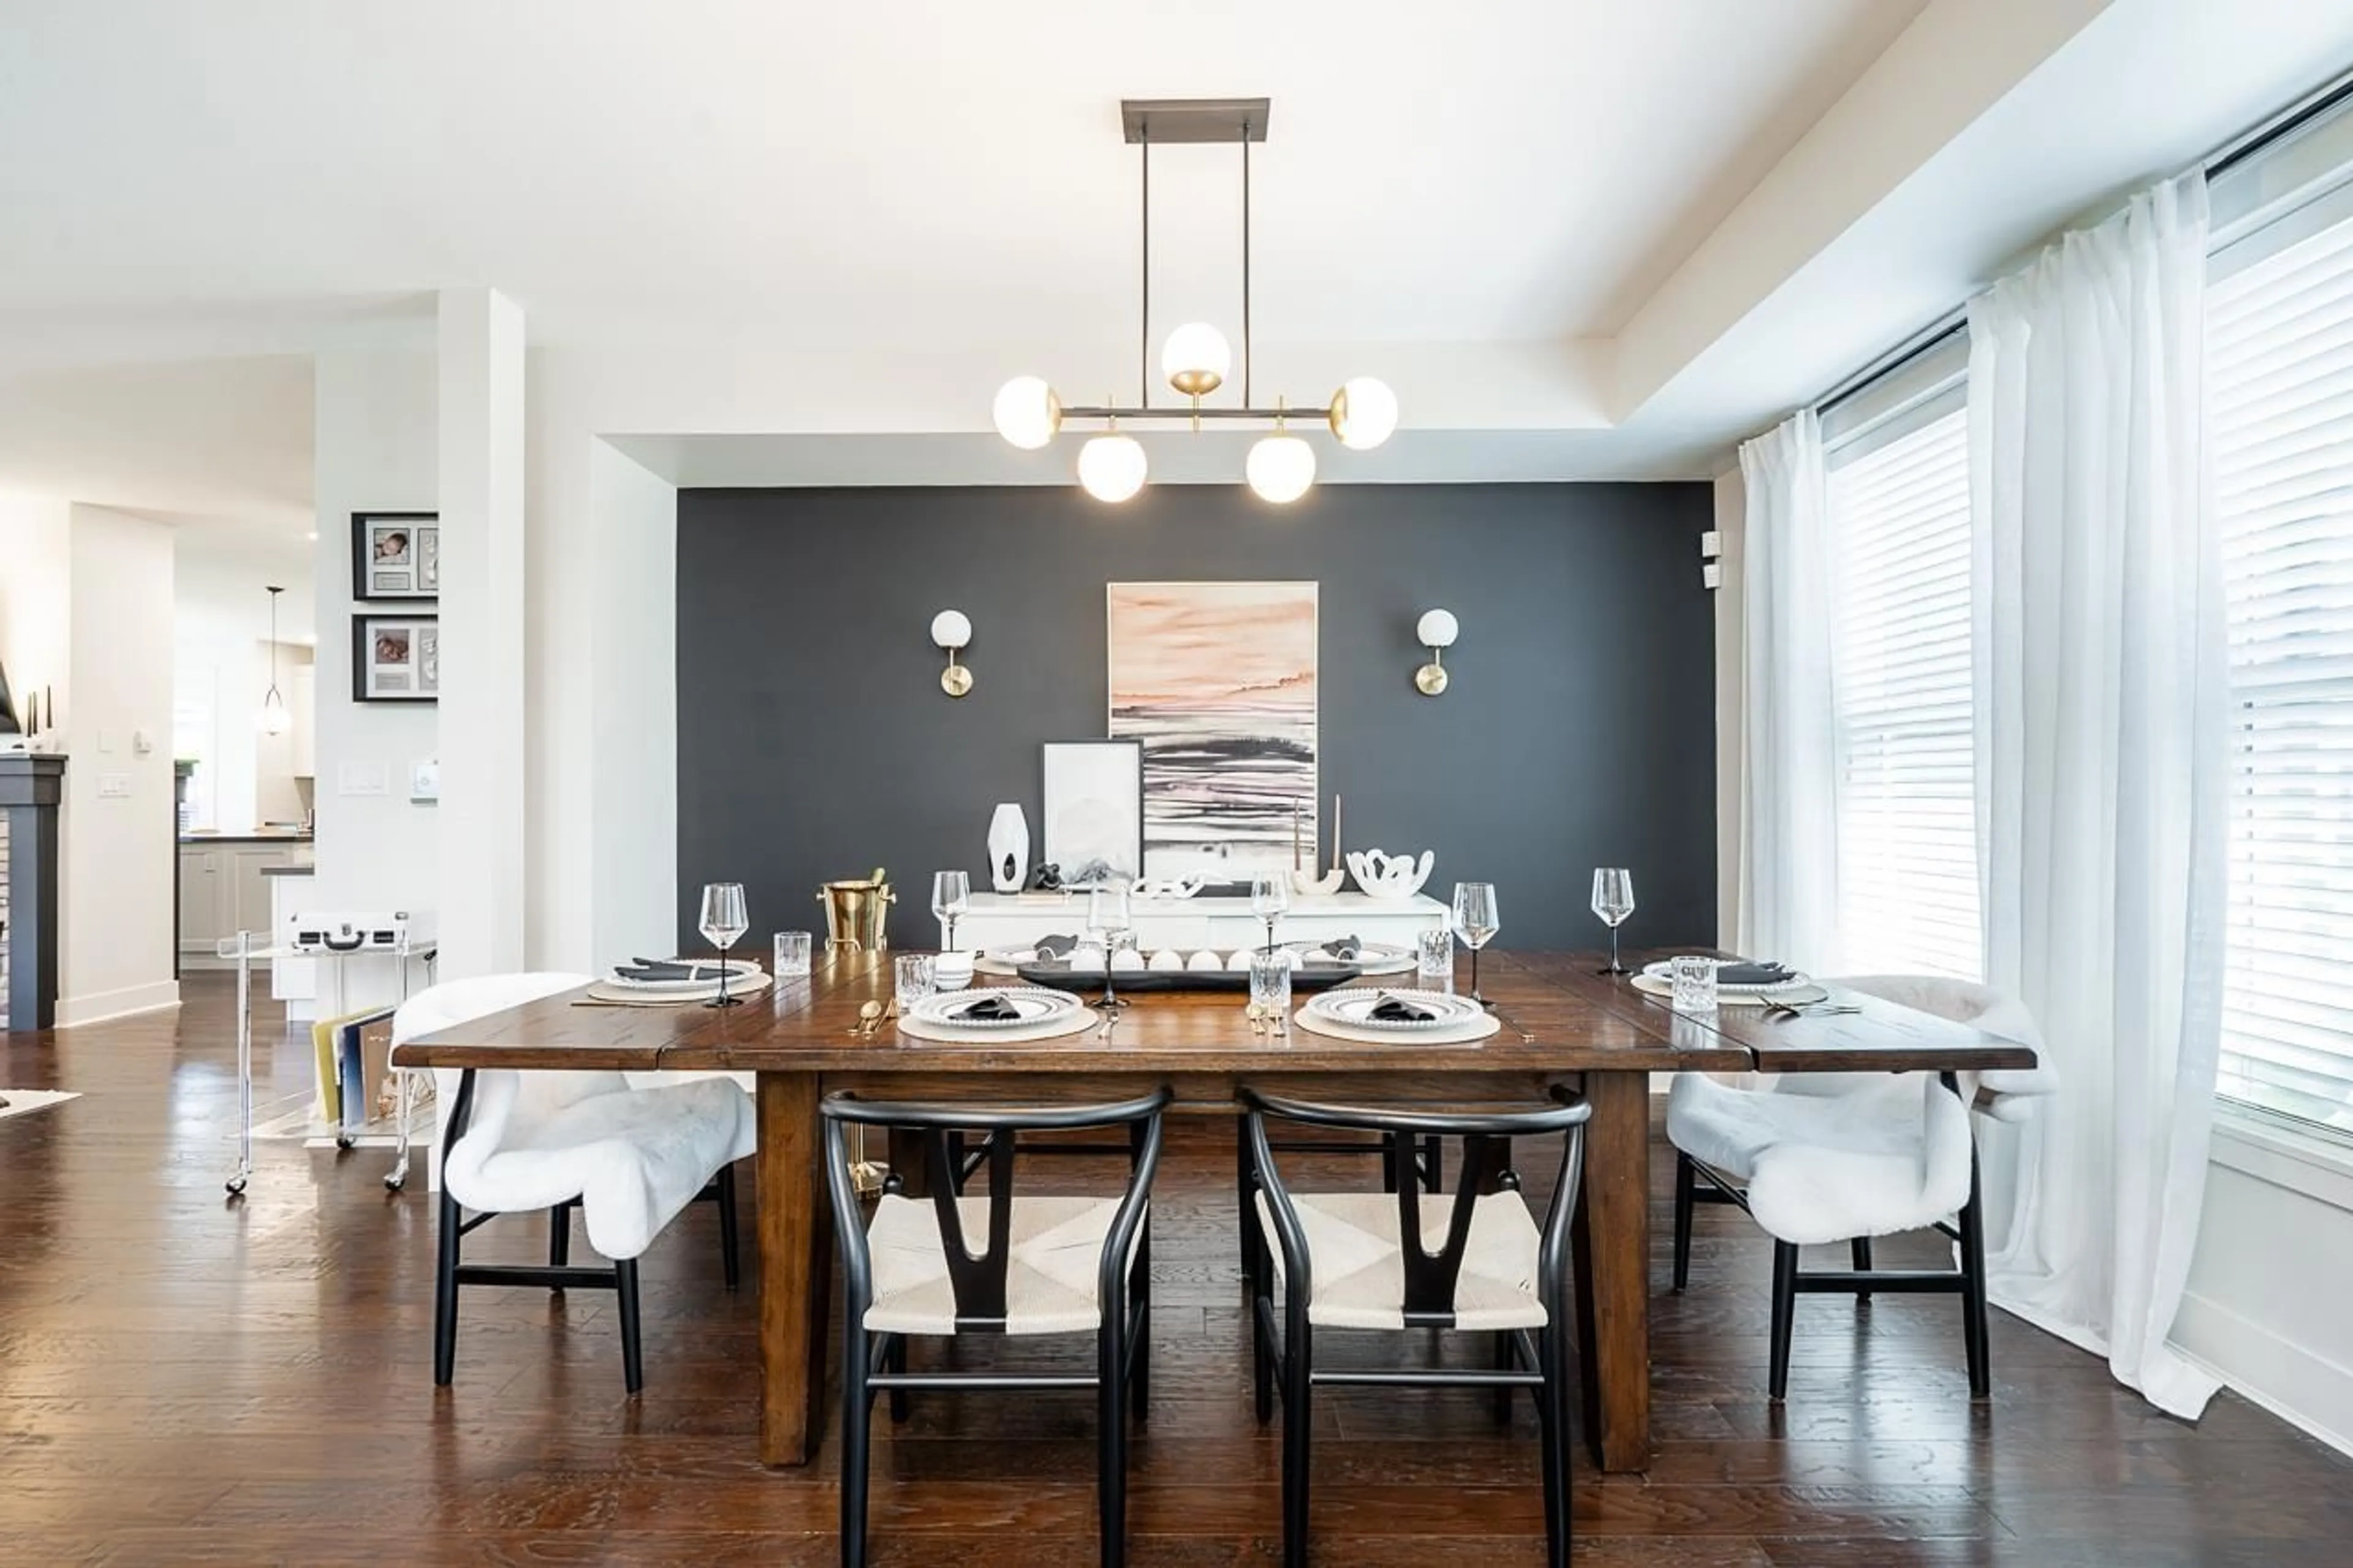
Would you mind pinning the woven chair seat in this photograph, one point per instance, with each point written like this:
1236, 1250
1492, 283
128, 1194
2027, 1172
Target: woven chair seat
1358, 1261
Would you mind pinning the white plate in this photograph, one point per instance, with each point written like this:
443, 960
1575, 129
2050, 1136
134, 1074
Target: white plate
1804, 993
708, 980
1354, 1006
1659, 971
1035, 1004
1372, 957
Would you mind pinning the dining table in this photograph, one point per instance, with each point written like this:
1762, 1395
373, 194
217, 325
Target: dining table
1562, 1024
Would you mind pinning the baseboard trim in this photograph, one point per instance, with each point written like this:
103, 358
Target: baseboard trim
2253, 1362
98, 1006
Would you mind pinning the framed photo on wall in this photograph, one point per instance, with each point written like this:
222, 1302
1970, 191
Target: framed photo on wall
395, 556
1093, 810
396, 658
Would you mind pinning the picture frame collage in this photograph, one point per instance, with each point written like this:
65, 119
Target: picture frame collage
395, 559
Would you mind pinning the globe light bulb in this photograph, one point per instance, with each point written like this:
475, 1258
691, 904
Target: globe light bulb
1111, 467
1027, 412
274, 718
1281, 468
1363, 414
1195, 359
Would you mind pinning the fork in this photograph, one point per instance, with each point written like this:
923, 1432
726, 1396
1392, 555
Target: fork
1780, 1012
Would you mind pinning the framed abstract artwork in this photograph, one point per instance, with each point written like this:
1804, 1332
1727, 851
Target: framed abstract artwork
1218, 682
396, 658
1093, 817
395, 556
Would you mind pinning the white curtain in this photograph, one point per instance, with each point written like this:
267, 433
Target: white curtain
2101, 688
1789, 779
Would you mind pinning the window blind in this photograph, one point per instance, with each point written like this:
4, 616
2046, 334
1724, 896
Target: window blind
2280, 380
1899, 518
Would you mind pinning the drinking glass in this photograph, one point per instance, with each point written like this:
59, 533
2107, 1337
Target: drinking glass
723, 922
912, 979
792, 955
1269, 896
1694, 982
1476, 919
1433, 959
1108, 911
1613, 901
951, 896
1270, 992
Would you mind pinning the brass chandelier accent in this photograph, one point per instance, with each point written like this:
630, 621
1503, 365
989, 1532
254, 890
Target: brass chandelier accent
1195, 360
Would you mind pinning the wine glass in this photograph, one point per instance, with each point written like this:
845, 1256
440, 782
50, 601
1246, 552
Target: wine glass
723, 922
1108, 912
1269, 896
951, 896
1613, 901
1475, 918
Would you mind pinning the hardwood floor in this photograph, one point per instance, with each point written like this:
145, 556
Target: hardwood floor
183, 1379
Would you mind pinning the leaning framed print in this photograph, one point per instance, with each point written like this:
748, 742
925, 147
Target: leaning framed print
396, 658
395, 556
1093, 800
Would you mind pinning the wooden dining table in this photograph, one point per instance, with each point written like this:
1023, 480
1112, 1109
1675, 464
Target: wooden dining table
1562, 1024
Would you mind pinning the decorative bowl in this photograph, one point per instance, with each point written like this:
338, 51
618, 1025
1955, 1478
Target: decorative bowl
1381, 875
1307, 884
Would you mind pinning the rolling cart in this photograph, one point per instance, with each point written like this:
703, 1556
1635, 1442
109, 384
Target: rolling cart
246, 946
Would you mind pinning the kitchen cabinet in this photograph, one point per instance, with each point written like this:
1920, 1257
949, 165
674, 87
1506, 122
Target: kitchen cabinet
223, 891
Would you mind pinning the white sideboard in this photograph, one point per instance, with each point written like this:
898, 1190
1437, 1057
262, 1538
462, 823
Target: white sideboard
1014, 919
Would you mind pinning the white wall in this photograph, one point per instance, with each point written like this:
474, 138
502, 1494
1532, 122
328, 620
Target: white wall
376, 441
36, 645
634, 893
117, 849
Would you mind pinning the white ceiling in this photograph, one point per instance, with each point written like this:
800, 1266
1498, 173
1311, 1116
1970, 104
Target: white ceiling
935, 169
1586, 238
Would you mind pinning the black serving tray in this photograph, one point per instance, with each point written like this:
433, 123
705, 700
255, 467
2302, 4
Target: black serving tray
1060, 976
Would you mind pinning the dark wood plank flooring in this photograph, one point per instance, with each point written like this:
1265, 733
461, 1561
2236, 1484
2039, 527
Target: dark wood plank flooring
183, 1379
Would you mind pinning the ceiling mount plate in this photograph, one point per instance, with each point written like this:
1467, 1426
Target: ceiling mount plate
1162, 121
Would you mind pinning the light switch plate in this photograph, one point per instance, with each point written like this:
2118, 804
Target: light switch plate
363, 778
114, 787
1711, 575
425, 781
1711, 545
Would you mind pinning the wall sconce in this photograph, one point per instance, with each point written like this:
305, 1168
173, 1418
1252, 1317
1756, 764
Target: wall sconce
1436, 630
952, 630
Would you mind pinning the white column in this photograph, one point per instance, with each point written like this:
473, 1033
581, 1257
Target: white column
481, 626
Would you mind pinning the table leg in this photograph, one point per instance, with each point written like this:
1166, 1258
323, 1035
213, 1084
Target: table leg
1613, 1269
796, 1270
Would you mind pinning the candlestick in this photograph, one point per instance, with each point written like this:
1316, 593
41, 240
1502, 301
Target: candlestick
1335, 832
1294, 836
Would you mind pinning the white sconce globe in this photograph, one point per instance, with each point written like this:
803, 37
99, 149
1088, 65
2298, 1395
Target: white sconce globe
952, 630
1363, 414
1195, 359
1281, 468
1437, 628
1112, 468
1027, 412
275, 720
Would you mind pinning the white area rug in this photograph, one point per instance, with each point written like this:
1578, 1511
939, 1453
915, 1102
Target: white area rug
21, 1101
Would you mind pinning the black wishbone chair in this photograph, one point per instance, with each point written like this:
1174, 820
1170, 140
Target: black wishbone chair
1049, 1265
1494, 1271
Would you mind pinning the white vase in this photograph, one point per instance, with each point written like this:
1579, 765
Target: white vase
1008, 848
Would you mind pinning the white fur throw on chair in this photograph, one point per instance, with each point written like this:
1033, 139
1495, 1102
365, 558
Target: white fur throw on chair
634, 1157
1833, 1156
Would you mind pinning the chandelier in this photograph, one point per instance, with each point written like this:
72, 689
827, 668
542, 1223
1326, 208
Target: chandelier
1195, 360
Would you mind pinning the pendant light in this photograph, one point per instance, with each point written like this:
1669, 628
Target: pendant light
1197, 359
273, 718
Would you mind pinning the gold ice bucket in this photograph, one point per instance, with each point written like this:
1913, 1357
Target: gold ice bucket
857, 913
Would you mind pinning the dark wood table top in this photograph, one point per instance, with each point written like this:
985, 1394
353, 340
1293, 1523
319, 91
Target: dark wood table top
1558, 1016
1882, 1037
805, 1025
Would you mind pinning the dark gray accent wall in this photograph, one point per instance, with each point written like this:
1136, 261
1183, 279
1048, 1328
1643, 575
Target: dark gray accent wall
814, 740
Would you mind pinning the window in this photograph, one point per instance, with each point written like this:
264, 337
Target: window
2280, 386
1899, 521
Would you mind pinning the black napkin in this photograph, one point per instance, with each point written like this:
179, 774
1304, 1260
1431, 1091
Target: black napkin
1057, 946
991, 1010
1752, 974
1343, 948
662, 969
1389, 1010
